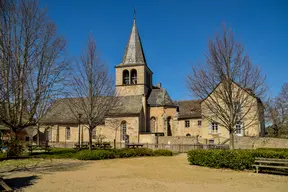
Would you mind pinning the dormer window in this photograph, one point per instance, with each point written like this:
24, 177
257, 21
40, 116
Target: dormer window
134, 77
126, 77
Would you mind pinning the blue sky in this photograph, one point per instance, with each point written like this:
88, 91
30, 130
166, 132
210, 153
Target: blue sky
174, 34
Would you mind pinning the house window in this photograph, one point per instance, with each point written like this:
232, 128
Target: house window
214, 127
211, 142
188, 135
123, 130
238, 128
187, 124
134, 77
94, 133
126, 77
199, 123
68, 133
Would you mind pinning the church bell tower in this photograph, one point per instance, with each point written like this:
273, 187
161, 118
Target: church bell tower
133, 76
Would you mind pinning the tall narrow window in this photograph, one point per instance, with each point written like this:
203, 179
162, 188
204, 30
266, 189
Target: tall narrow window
187, 123
94, 133
68, 133
126, 77
152, 124
133, 76
123, 130
169, 131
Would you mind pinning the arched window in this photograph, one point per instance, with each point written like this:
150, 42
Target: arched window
123, 131
153, 124
188, 135
49, 134
133, 76
68, 133
126, 77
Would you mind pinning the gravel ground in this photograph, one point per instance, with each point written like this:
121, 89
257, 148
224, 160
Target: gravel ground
165, 174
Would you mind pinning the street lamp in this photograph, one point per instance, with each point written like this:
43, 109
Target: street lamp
79, 122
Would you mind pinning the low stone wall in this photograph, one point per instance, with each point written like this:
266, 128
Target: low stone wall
147, 138
260, 142
176, 140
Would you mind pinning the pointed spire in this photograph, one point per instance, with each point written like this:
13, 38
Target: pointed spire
134, 53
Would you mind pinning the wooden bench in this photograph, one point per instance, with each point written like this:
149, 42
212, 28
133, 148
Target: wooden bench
4, 185
270, 163
31, 148
94, 146
133, 146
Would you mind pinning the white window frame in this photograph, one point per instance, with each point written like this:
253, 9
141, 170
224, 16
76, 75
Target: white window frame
239, 126
214, 128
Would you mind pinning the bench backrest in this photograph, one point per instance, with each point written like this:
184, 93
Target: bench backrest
270, 159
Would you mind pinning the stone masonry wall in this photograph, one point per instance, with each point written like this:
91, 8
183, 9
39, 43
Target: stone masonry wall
260, 142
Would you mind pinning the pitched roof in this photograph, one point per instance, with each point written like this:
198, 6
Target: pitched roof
247, 90
189, 109
159, 97
134, 53
60, 111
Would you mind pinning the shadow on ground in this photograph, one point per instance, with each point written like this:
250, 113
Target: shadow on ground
18, 183
44, 168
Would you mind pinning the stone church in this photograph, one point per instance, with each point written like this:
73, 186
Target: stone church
146, 111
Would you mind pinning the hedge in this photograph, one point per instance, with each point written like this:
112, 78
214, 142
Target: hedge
163, 152
58, 153
233, 159
120, 153
95, 155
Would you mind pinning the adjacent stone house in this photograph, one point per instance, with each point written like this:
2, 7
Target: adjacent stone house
145, 110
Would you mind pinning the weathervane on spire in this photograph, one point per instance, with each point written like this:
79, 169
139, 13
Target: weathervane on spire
134, 13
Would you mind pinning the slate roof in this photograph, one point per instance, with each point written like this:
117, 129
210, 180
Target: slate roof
159, 97
60, 111
134, 53
189, 109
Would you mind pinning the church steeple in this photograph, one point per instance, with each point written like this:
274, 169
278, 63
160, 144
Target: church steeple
134, 54
133, 76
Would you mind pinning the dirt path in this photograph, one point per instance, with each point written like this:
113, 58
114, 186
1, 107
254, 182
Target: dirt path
165, 174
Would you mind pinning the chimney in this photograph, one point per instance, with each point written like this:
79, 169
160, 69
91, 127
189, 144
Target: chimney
159, 85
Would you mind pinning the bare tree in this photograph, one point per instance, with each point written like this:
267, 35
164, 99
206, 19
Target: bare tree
93, 88
277, 111
232, 78
114, 125
31, 63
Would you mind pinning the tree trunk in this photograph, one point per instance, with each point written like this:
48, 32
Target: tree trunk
90, 138
38, 136
231, 140
114, 143
276, 131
